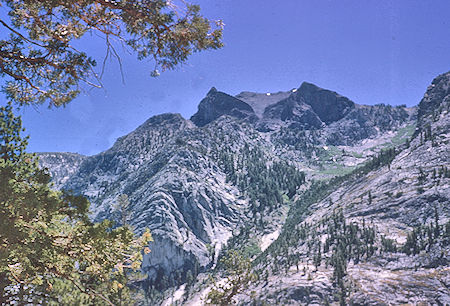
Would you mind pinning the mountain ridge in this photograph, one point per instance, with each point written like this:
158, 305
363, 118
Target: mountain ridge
198, 185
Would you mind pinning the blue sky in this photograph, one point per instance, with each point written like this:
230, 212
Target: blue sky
370, 51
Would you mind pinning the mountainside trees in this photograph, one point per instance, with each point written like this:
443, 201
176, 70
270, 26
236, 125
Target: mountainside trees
238, 275
49, 250
262, 180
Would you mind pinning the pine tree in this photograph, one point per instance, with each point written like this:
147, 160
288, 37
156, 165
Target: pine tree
436, 222
38, 61
318, 256
410, 246
122, 206
49, 249
239, 276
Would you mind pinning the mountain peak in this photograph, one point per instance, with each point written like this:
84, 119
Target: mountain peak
211, 91
161, 120
435, 100
199, 187
305, 85
328, 105
216, 104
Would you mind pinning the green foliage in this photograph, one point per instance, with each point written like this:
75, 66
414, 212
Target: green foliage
424, 237
251, 249
347, 241
211, 248
243, 242
344, 242
238, 275
319, 190
48, 247
41, 64
403, 135
122, 206
263, 181
388, 245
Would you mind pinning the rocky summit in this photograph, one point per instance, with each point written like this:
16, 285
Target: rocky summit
217, 104
329, 200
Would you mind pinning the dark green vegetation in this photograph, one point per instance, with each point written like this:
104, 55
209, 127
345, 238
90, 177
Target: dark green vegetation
317, 191
424, 237
238, 276
344, 241
263, 182
40, 64
50, 252
230, 174
350, 241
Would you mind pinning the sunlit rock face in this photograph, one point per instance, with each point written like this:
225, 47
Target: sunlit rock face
436, 99
180, 175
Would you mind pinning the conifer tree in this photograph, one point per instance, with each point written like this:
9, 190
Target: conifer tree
436, 222
238, 276
39, 62
318, 256
49, 249
122, 206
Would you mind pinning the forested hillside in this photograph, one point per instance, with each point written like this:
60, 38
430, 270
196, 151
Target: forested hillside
329, 200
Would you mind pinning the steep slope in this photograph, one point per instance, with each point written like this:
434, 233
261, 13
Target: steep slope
336, 119
365, 122
328, 105
217, 104
260, 101
184, 184
295, 111
377, 236
62, 166
99, 174
435, 103
197, 183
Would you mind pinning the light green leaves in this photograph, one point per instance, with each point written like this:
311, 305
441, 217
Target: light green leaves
49, 249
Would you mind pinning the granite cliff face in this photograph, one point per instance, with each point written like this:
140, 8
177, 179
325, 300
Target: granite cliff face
435, 103
335, 119
408, 193
295, 111
247, 162
62, 166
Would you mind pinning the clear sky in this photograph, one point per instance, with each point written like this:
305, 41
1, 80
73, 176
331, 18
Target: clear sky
374, 51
